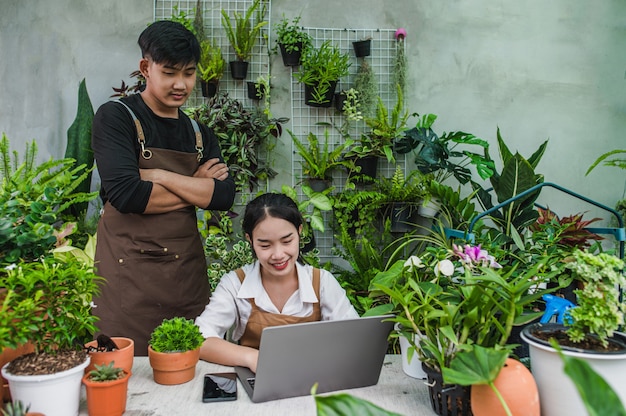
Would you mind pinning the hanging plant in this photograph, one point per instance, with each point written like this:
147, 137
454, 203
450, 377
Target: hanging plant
399, 66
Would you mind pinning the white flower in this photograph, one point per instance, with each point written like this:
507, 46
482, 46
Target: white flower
445, 267
413, 262
11, 267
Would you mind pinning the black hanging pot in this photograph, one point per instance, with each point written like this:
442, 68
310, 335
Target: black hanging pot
310, 92
447, 399
369, 169
239, 69
255, 92
291, 58
362, 48
209, 89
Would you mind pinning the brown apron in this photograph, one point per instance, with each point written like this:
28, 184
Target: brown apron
260, 319
154, 264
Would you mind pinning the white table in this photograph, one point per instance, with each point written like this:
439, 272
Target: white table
395, 391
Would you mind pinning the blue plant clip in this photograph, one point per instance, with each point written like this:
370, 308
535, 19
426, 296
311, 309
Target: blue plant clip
557, 306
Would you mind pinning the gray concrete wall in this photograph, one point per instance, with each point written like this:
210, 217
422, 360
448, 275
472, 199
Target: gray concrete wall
534, 69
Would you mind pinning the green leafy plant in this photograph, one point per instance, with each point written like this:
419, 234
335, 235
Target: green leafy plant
440, 155
242, 134
176, 335
291, 36
451, 311
224, 250
15, 408
312, 206
319, 161
367, 86
604, 159
322, 66
212, 64
599, 309
245, 33
517, 175
106, 372
34, 199
50, 302
79, 144
346, 404
385, 127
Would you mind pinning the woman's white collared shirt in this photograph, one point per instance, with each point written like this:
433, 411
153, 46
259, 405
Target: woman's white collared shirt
229, 305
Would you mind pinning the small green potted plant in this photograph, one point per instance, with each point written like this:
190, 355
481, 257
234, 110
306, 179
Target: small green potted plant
244, 35
210, 67
320, 70
174, 350
320, 160
106, 388
311, 206
291, 40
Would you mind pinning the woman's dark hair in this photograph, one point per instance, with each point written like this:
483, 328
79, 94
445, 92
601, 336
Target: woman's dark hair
271, 205
169, 43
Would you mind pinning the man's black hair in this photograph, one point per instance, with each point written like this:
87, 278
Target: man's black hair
169, 43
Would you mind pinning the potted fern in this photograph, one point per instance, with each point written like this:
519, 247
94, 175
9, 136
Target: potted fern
174, 350
320, 70
107, 389
243, 35
210, 67
319, 160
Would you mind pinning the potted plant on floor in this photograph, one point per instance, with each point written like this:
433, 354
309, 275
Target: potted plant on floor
291, 40
244, 35
320, 70
174, 350
106, 387
49, 304
210, 67
320, 160
588, 333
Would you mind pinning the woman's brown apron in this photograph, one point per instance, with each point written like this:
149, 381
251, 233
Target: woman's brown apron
154, 264
260, 319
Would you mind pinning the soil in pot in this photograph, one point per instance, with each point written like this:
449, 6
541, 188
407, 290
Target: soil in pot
44, 363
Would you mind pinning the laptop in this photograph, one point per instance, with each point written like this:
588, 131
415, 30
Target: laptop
337, 355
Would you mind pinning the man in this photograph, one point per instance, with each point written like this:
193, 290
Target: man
156, 166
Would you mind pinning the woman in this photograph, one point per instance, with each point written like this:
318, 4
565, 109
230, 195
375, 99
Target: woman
275, 290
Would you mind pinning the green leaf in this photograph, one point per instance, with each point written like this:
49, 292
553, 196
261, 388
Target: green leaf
598, 396
477, 366
346, 405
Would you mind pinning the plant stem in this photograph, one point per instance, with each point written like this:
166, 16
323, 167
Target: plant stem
504, 405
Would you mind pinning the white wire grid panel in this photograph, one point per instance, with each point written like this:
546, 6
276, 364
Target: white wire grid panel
212, 19
306, 119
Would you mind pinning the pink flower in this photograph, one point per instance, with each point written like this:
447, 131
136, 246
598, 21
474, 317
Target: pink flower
475, 256
400, 33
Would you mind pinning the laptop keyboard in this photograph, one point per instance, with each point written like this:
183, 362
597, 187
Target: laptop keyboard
251, 381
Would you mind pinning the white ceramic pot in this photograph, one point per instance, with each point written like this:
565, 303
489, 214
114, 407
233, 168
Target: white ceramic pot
557, 393
414, 367
430, 209
55, 394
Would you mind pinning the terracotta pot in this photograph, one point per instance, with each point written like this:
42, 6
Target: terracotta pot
123, 357
10, 354
106, 398
173, 367
516, 385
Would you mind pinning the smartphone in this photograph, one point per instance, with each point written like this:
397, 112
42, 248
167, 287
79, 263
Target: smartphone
219, 387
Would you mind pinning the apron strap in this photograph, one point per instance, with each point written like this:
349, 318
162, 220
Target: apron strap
146, 153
